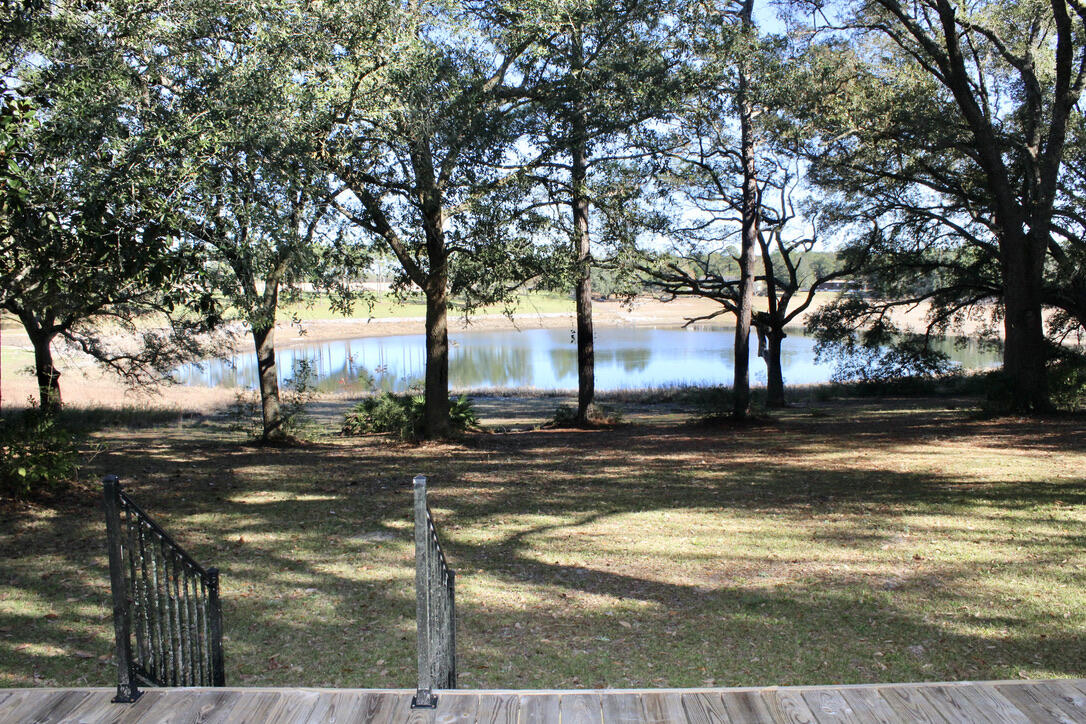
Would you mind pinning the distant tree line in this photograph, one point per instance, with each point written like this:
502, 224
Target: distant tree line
165, 166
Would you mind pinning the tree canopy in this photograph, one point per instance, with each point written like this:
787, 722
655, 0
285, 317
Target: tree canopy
87, 196
948, 131
161, 163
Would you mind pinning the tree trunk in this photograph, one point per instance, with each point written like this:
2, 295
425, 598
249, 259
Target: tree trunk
745, 302
41, 337
435, 285
264, 339
47, 373
1024, 350
436, 413
586, 360
774, 374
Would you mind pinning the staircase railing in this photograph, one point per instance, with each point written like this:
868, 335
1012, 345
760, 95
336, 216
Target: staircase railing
163, 599
435, 587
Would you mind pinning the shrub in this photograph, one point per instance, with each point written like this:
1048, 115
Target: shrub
246, 415
715, 401
299, 390
1066, 385
462, 414
566, 416
1067, 382
403, 416
35, 454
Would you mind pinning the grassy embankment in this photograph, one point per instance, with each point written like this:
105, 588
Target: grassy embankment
861, 542
316, 307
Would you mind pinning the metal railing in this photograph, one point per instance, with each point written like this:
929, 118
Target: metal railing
163, 599
435, 586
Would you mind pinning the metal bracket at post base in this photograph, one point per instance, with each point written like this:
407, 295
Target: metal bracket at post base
424, 699
127, 695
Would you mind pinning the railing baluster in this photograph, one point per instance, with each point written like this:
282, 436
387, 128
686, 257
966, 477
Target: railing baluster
193, 642
183, 619
146, 656
190, 664
194, 629
451, 614
437, 615
156, 625
205, 637
179, 644
218, 673
169, 672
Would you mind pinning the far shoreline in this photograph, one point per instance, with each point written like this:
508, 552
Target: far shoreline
83, 383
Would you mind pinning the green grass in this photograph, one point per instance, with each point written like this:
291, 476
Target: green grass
84, 419
866, 541
13, 359
316, 307
9, 321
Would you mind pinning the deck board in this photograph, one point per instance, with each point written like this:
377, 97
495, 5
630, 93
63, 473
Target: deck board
622, 709
748, 706
705, 708
660, 707
58, 708
29, 707
1074, 699
458, 708
385, 707
1061, 700
829, 705
586, 708
499, 709
1035, 704
867, 700
987, 702
788, 707
343, 706
540, 708
909, 704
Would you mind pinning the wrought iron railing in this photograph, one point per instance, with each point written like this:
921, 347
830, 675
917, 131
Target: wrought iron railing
435, 586
163, 599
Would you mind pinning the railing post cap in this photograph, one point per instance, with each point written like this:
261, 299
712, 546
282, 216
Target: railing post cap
420, 481
111, 480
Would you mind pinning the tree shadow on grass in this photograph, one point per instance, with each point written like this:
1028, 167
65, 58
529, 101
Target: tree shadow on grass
845, 585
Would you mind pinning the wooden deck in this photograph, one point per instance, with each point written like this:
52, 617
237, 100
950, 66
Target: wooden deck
1061, 700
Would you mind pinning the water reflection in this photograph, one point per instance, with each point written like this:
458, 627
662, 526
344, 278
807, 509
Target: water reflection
545, 359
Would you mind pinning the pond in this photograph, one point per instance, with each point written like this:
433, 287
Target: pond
540, 359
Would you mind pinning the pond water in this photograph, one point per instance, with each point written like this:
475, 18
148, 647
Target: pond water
542, 359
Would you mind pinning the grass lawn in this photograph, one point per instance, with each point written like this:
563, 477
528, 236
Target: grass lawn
318, 308
13, 359
865, 541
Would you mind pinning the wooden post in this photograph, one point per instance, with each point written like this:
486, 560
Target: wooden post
424, 696
127, 689
218, 673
